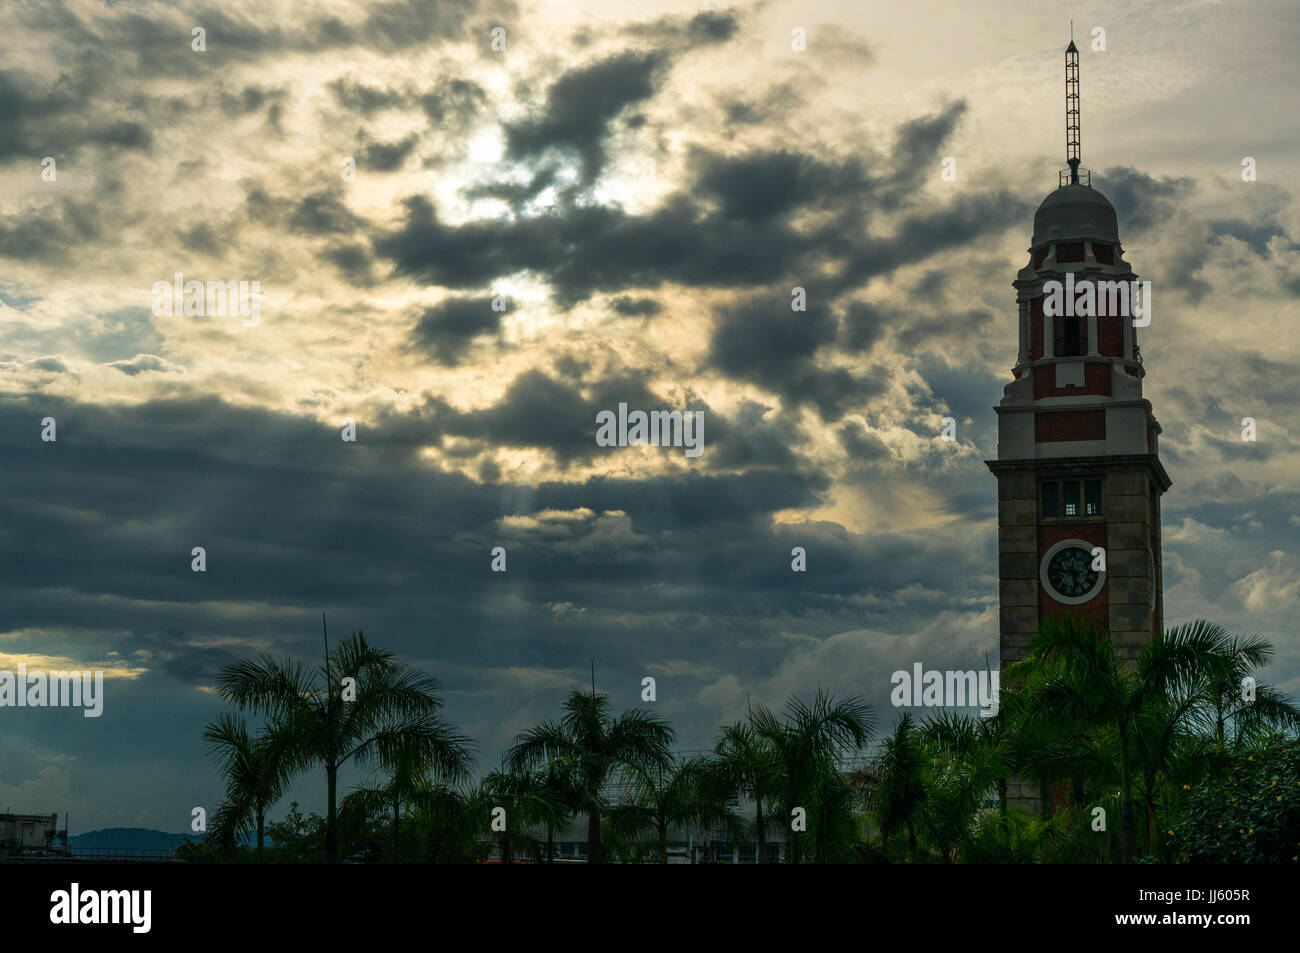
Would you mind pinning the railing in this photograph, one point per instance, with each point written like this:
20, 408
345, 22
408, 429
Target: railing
123, 853
1085, 177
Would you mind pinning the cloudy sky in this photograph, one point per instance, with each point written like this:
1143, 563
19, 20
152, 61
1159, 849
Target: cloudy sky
639, 185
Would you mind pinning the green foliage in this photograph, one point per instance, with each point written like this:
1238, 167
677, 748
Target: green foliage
1186, 764
297, 839
588, 746
1248, 811
257, 769
804, 750
359, 706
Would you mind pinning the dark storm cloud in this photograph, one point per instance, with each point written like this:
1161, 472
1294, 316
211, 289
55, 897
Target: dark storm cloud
581, 105
593, 248
450, 104
713, 26
1233, 449
559, 415
963, 389
322, 213
363, 98
860, 445
251, 99
202, 237
401, 24
636, 307
446, 330
517, 193
923, 234
913, 159
862, 326
1234, 383
764, 339
196, 666
291, 516
1255, 236
703, 29
756, 108
754, 436
158, 42
733, 227
767, 343
388, 156
453, 102
765, 184
540, 411
36, 121
353, 261
51, 364
951, 332
295, 521
57, 228
1141, 201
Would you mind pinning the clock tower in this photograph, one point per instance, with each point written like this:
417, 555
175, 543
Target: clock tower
1078, 467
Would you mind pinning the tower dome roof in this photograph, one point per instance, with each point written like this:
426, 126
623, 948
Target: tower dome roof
1075, 211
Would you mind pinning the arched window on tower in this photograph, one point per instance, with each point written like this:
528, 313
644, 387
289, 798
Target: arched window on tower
1036, 328
1069, 336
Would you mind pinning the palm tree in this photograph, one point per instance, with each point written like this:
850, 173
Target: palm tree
807, 748
1167, 740
745, 765
528, 801
983, 743
257, 770
358, 706
409, 783
594, 745
448, 823
660, 799
557, 781
1167, 749
1228, 704
968, 758
898, 794
1072, 674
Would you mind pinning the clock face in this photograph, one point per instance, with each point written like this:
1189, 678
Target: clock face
1070, 572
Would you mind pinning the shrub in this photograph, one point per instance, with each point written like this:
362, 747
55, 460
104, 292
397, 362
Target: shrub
1247, 811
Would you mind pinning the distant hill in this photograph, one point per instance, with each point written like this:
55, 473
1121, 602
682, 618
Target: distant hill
130, 838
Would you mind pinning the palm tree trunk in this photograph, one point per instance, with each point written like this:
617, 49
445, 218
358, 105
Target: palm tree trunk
793, 845
331, 816
663, 843
550, 844
1128, 823
1002, 797
593, 836
396, 808
759, 832
261, 827
1154, 843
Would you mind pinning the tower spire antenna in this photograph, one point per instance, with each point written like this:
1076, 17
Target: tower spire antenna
1072, 108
